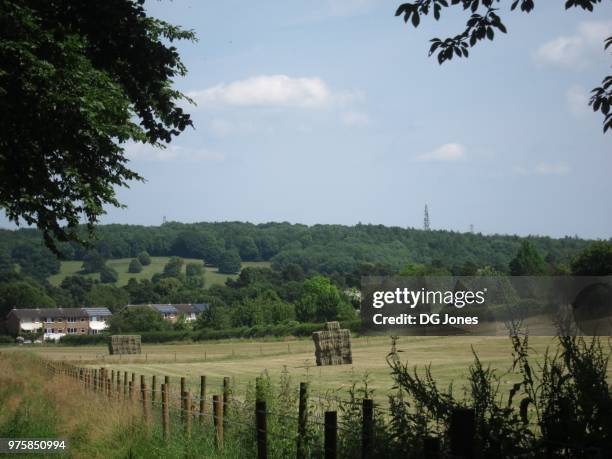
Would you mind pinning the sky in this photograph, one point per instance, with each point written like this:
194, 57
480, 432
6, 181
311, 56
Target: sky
330, 111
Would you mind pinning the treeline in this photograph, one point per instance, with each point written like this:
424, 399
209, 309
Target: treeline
325, 249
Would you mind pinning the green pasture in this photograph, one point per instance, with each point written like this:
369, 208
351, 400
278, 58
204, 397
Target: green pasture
211, 274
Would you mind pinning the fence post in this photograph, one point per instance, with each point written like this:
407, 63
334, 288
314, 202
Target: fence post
112, 378
165, 411
218, 420
431, 448
142, 385
202, 398
109, 391
367, 431
462, 432
331, 433
302, 421
226, 400
131, 391
145, 406
188, 415
262, 430
125, 383
182, 384
153, 388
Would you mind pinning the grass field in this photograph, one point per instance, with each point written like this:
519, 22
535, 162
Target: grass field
244, 360
211, 275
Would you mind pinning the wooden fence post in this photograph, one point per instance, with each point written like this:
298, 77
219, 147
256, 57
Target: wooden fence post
165, 411
331, 433
226, 400
153, 388
431, 448
145, 406
202, 398
131, 391
367, 431
142, 385
262, 430
302, 421
218, 420
125, 383
461, 432
188, 415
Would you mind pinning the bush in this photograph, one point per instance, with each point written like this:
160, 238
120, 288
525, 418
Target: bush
135, 266
79, 340
144, 258
7, 339
108, 275
229, 263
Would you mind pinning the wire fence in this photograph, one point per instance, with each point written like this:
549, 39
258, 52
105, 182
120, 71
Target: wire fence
310, 424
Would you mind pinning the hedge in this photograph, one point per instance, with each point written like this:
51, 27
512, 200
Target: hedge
257, 331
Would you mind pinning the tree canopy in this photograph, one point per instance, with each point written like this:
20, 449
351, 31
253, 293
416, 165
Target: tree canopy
78, 80
482, 22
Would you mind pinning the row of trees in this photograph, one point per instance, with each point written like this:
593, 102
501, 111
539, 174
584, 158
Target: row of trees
325, 249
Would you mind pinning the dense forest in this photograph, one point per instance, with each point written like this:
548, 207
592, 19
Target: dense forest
314, 276
325, 249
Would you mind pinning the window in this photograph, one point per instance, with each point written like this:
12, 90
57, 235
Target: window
71, 320
82, 330
53, 330
47, 330
94, 319
94, 332
49, 320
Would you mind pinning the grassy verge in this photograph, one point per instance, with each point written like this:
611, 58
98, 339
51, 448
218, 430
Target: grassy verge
33, 404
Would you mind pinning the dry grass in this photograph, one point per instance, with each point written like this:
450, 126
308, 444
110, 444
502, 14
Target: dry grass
244, 360
35, 404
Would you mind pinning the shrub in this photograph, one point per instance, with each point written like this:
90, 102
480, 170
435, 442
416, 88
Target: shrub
144, 258
135, 266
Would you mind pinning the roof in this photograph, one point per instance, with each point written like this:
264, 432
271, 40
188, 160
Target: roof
40, 313
165, 308
201, 307
98, 312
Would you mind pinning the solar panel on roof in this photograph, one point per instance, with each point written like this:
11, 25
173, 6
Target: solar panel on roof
167, 309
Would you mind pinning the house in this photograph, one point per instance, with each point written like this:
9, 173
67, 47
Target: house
57, 322
98, 319
171, 312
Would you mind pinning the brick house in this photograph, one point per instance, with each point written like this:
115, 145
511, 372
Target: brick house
57, 322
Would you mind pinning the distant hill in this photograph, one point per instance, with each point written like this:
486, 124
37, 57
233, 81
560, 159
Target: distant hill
326, 249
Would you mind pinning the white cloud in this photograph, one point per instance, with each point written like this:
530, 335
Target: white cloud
577, 100
446, 152
146, 152
269, 91
576, 50
544, 168
353, 118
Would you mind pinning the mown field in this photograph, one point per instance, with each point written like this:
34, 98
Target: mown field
244, 360
211, 274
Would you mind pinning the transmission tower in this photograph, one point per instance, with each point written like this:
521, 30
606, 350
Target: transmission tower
426, 219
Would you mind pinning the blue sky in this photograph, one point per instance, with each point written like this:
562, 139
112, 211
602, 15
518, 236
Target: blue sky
330, 111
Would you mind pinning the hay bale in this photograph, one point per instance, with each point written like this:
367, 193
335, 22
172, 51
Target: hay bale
124, 344
332, 345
